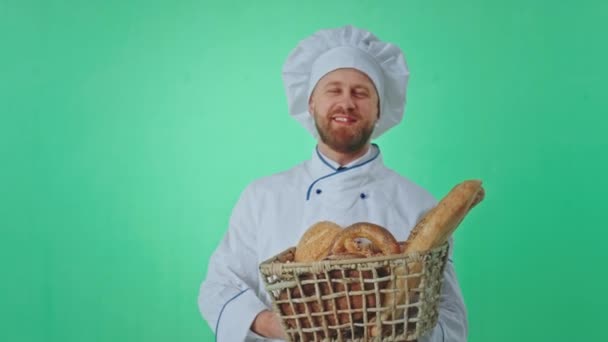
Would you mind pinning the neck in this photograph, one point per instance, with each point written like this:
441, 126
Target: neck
341, 157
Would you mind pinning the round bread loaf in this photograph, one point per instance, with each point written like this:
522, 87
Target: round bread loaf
380, 238
316, 242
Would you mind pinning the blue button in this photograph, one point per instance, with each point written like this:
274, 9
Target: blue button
319, 191
363, 196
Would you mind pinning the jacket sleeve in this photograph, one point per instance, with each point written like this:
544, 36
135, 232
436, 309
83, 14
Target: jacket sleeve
227, 298
452, 325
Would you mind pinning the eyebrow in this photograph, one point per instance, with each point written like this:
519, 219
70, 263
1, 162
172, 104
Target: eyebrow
337, 83
333, 83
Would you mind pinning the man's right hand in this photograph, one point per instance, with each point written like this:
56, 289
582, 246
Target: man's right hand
268, 324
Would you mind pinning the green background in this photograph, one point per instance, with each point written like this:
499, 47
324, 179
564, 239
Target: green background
129, 128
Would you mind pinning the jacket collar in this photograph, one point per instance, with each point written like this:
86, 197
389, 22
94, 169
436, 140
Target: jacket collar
327, 175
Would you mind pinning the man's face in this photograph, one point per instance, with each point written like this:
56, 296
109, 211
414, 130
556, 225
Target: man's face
344, 104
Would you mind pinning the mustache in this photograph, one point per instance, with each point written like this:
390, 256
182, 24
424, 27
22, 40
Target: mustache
341, 111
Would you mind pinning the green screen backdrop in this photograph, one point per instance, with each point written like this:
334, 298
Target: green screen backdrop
129, 128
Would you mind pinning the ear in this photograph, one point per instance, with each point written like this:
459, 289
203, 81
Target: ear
311, 105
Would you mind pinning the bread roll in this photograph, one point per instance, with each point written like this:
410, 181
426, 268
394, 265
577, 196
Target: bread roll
316, 242
379, 237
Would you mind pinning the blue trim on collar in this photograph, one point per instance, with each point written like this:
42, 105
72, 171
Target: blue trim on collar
217, 325
337, 171
323, 159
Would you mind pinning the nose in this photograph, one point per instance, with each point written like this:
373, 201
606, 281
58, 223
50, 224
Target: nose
347, 103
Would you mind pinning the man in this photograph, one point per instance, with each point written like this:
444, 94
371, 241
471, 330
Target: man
346, 87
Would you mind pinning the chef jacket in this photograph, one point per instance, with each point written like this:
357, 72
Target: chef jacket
274, 212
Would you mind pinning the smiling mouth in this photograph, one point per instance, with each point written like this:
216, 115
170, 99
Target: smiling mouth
344, 119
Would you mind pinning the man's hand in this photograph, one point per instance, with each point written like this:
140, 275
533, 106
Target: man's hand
267, 324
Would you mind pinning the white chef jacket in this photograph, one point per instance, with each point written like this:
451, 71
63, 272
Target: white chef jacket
273, 213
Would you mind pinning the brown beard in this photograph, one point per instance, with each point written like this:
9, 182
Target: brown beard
344, 140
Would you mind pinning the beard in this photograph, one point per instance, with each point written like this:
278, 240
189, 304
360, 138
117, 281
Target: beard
343, 139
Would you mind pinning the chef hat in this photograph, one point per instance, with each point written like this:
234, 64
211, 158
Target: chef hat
346, 47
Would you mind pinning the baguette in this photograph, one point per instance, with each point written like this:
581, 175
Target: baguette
431, 231
436, 227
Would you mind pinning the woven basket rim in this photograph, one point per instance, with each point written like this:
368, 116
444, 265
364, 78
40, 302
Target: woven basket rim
268, 267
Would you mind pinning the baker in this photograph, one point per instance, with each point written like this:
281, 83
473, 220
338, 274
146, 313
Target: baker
346, 87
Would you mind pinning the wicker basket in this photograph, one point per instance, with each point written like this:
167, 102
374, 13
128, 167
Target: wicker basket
342, 300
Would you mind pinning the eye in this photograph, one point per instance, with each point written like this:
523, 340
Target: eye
360, 94
333, 90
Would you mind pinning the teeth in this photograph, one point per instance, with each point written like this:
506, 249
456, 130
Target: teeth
341, 119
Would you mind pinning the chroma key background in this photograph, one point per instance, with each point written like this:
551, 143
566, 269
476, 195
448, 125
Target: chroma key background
129, 128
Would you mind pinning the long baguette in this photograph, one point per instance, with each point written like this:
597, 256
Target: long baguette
431, 231
436, 227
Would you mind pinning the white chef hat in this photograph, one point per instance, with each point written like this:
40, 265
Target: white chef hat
346, 47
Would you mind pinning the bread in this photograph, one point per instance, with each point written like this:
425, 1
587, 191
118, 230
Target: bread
440, 222
314, 245
431, 231
316, 242
379, 237
328, 241
337, 304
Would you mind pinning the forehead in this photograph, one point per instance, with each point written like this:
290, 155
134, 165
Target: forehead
348, 76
